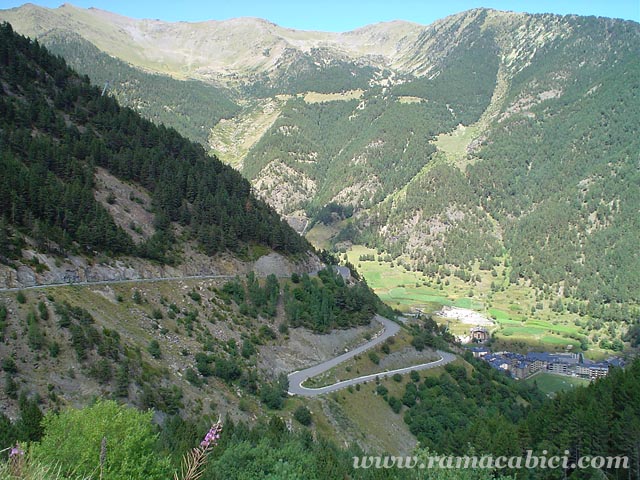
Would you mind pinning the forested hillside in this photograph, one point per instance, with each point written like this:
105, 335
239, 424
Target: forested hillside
568, 193
468, 409
191, 107
547, 175
315, 71
552, 180
486, 139
489, 413
353, 152
57, 128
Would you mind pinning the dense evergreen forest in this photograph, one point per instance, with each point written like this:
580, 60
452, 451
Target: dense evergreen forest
56, 128
320, 302
569, 189
553, 182
458, 229
490, 413
378, 147
324, 303
466, 78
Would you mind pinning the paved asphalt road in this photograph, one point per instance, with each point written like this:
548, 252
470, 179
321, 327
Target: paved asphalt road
130, 280
113, 282
390, 328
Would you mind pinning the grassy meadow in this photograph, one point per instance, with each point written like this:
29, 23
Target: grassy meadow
520, 323
550, 383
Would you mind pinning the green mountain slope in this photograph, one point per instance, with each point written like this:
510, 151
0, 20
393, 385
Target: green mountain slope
569, 189
71, 156
485, 138
553, 177
191, 107
57, 129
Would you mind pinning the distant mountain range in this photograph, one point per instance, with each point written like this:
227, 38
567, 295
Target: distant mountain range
487, 137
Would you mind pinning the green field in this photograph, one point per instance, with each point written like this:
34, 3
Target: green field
551, 384
518, 324
320, 235
398, 287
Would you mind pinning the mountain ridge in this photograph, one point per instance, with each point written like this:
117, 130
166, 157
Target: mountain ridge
386, 40
356, 124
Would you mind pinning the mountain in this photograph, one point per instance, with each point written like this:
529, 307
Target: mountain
86, 177
209, 50
100, 208
160, 98
87, 181
487, 138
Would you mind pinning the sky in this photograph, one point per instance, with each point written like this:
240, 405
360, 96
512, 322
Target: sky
339, 15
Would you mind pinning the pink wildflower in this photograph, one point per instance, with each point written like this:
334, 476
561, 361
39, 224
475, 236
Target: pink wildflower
16, 451
212, 436
193, 461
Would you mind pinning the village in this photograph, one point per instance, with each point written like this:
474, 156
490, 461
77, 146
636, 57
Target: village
522, 366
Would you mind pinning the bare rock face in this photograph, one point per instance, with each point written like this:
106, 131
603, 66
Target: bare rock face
305, 348
280, 266
25, 276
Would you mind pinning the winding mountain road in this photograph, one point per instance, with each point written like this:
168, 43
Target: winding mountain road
297, 378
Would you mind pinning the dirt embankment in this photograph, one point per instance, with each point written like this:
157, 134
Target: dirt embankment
305, 348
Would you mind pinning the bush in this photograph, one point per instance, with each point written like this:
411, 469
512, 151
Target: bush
73, 440
35, 337
20, 298
227, 370
10, 387
302, 415
267, 332
192, 377
418, 342
9, 365
382, 390
397, 377
395, 404
101, 371
54, 349
154, 349
271, 396
248, 349
203, 362
283, 328
42, 310
137, 297
373, 356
